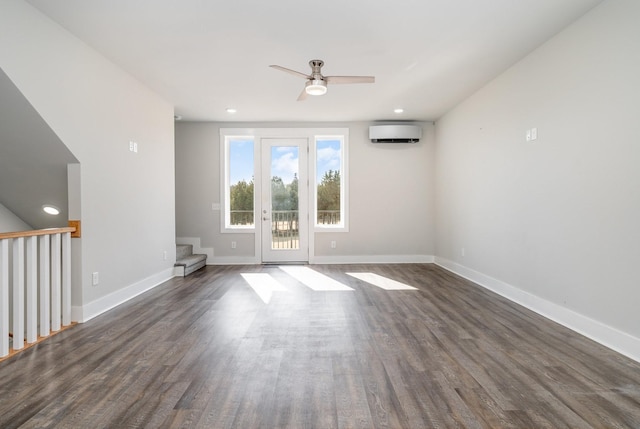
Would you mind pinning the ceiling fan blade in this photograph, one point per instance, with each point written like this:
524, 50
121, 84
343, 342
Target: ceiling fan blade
350, 79
293, 72
303, 95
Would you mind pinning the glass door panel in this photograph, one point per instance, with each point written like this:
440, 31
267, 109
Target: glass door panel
284, 201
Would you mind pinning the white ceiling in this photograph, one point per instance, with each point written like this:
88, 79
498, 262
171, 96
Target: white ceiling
205, 55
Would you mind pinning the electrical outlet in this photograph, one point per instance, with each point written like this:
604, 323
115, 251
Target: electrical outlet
95, 278
333, 244
165, 255
233, 244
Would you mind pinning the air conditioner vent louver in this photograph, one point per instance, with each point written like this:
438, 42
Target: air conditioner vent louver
395, 133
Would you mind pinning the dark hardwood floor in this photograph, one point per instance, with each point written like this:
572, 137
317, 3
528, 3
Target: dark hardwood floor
206, 351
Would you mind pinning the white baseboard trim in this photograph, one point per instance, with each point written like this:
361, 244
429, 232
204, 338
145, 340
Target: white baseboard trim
95, 308
323, 260
608, 336
195, 242
234, 260
373, 259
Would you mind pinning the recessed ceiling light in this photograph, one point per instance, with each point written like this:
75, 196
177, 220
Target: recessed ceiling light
398, 110
231, 110
52, 210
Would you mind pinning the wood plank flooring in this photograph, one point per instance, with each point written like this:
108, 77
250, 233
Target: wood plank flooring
206, 351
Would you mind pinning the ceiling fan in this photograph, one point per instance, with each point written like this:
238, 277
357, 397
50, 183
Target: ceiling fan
317, 83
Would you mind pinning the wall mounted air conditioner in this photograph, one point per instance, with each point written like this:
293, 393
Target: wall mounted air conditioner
395, 133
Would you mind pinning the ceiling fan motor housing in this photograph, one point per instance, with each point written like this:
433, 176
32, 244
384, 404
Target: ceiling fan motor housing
316, 66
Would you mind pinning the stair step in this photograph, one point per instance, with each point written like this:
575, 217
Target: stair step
183, 250
187, 260
191, 260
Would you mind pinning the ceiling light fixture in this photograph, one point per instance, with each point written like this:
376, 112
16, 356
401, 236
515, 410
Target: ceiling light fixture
231, 110
316, 87
398, 110
52, 210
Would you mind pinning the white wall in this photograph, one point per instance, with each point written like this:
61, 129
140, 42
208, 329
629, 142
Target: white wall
9, 222
554, 222
391, 190
127, 199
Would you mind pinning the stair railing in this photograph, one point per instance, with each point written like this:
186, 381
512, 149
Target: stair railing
35, 275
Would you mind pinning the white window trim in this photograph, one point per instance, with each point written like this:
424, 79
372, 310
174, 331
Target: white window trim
225, 185
344, 182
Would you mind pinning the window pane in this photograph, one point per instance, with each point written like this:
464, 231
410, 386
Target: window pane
329, 195
240, 210
285, 233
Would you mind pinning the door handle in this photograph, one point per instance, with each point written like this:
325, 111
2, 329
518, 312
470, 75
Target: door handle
265, 218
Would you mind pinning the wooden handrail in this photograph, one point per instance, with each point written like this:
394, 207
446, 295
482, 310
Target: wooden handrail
36, 232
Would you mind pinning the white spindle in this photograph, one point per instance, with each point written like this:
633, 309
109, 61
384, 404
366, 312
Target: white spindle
55, 282
32, 289
66, 278
4, 297
18, 293
35, 286
45, 285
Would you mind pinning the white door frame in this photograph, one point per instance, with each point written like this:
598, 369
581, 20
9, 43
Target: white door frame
268, 252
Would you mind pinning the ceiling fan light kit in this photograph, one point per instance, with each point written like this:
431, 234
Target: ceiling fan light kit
315, 87
316, 83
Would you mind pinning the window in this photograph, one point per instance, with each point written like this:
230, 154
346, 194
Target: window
330, 182
239, 182
241, 159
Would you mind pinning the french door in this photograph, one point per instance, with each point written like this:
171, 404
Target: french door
284, 211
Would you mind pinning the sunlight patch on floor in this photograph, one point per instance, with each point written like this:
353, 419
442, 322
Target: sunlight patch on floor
314, 280
263, 284
382, 282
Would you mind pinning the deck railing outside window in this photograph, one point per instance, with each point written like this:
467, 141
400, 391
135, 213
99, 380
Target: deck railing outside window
285, 229
241, 217
245, 217
328, 217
